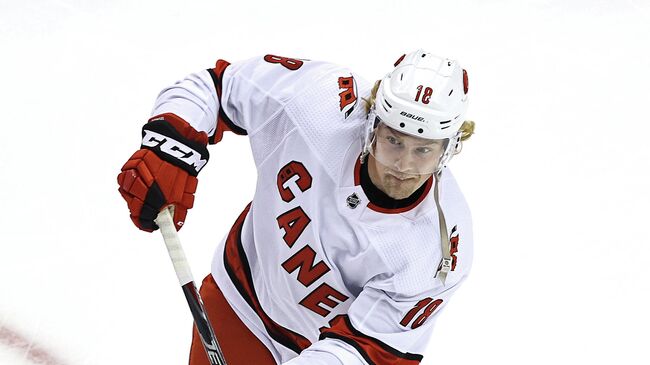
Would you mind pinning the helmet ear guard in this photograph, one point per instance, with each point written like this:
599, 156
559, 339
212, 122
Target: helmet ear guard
372, 121
454, 146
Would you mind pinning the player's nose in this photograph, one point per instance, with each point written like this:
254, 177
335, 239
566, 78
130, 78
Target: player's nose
404, 162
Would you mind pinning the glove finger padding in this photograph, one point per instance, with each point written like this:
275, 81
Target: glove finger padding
146, 195
163, 172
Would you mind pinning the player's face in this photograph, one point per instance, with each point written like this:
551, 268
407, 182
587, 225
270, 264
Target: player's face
395, 184
405, 153
398, 161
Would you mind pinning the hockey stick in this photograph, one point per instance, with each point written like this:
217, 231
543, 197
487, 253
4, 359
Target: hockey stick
184, 274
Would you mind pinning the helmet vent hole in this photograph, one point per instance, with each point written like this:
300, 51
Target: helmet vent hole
423, 55
402, 125
420, 130
445, 122
387, 103
445, 127
452, 90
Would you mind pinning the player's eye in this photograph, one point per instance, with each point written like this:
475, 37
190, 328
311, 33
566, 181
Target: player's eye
423, 150
393, 140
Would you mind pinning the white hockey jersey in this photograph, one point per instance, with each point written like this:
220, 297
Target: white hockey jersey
312, 266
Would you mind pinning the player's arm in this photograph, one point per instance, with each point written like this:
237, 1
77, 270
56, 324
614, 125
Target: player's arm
193, 113
200, 101
173, 151
381, 328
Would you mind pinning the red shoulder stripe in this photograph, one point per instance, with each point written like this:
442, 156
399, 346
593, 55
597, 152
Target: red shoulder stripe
223, 122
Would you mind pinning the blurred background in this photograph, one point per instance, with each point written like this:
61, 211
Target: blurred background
556, 175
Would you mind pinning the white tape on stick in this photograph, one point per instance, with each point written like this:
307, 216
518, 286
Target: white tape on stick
173, 243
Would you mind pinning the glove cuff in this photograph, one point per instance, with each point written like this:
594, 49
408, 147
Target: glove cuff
177, 142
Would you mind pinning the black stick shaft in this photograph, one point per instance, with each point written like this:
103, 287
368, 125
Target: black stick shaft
209, 340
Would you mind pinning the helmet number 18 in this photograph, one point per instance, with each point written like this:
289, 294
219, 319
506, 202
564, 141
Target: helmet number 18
426, 96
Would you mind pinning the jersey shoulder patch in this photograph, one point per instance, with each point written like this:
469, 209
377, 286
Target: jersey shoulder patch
348, 95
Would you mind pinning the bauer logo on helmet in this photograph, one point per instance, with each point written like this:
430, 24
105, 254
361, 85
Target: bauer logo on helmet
414, 117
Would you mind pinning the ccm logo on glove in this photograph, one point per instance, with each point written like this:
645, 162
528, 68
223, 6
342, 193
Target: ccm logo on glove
161, 137
174, 149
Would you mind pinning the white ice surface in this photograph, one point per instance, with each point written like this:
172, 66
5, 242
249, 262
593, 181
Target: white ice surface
556, 175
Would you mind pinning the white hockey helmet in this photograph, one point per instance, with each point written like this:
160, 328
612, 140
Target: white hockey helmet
425, 96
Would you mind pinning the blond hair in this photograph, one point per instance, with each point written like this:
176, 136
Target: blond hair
466, 129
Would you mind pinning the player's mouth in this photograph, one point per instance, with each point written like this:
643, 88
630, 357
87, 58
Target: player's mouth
400, 177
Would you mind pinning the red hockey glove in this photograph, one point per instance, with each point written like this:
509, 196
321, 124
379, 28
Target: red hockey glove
163, 172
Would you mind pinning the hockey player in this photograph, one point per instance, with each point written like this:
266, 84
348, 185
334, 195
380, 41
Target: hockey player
357, 235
